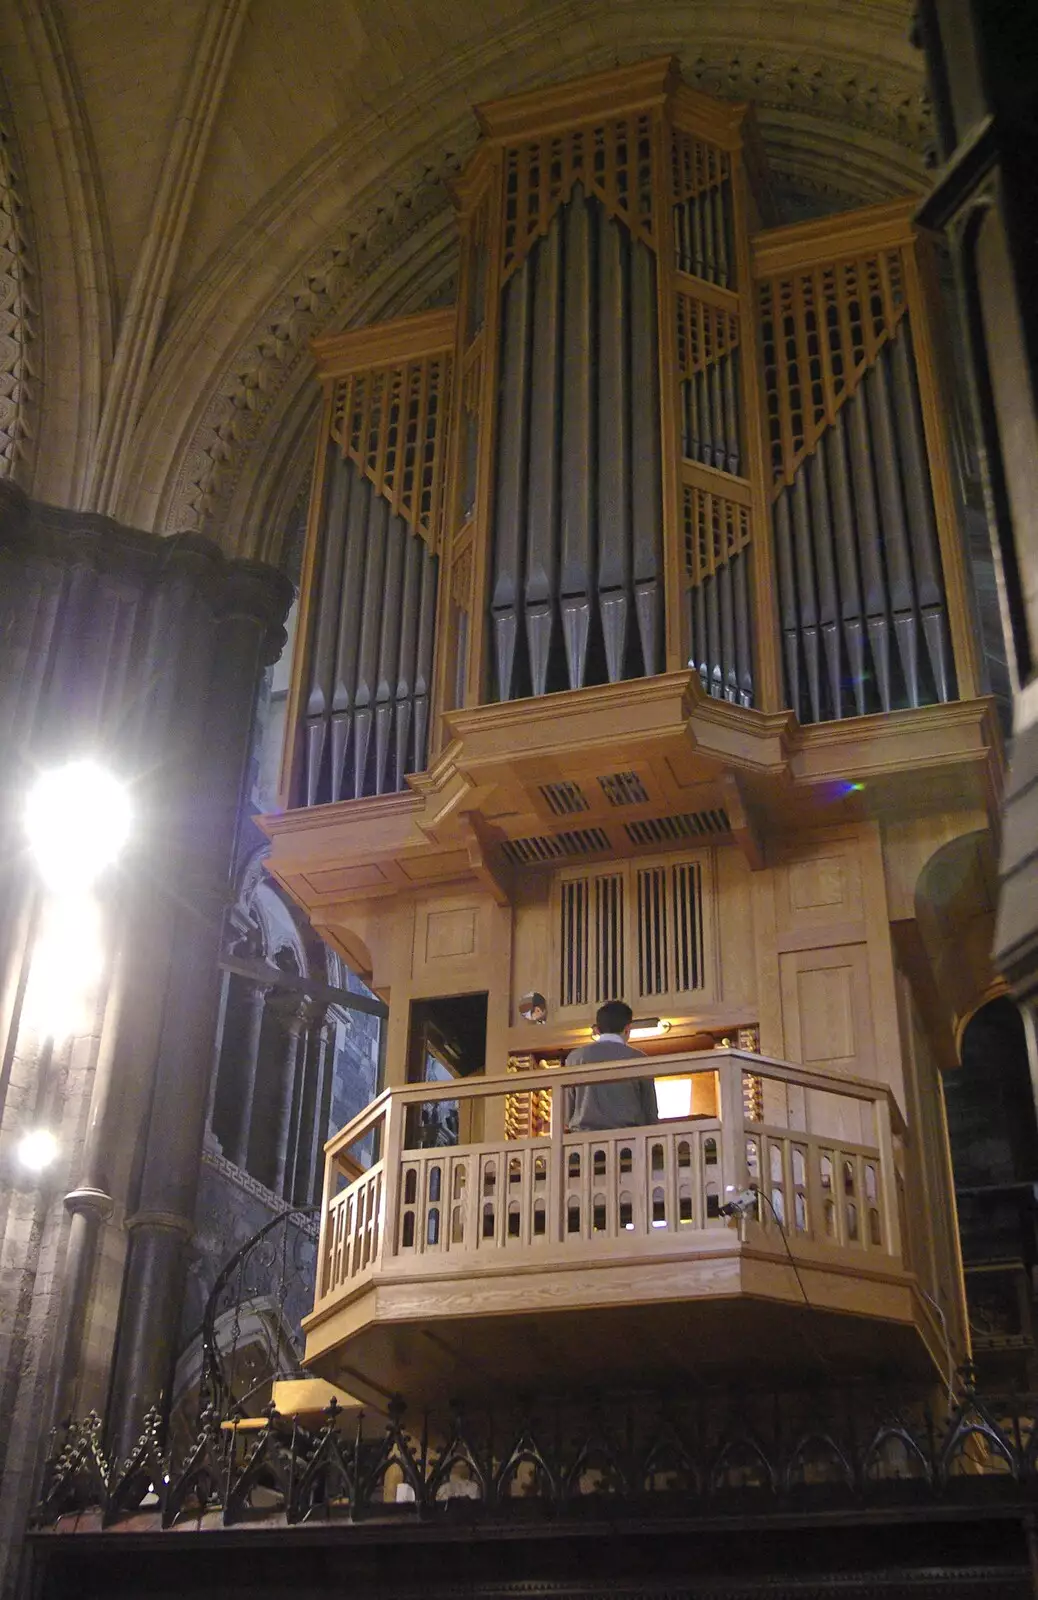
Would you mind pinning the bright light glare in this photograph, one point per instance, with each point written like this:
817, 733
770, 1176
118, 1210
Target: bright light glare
78, 819
673, 1097
66, 964
37, 1150
648, 1028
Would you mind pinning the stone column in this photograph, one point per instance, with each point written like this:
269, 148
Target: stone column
236, 1095
313, 1112
249, 605
291, 1012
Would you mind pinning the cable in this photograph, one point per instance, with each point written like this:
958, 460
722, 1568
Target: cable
762, 1194
950, 1376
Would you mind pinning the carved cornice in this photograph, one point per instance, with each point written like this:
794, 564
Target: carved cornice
17, 312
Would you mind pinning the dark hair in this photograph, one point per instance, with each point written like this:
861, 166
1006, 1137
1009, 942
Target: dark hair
614, 1016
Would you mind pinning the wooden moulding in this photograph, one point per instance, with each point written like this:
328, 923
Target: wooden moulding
721, 122
806, 244
611, 94
385, 344
483, 788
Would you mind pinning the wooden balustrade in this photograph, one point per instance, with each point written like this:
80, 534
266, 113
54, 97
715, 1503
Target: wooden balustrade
818, 1149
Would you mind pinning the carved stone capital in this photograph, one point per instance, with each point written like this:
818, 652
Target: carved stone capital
87, 1201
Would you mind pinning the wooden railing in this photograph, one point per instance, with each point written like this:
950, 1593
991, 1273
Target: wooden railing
818, 1150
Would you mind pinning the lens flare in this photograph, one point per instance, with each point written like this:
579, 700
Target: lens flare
66, 966
37, 1150
78, 819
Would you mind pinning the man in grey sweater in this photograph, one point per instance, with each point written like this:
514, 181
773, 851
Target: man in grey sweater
594, 1106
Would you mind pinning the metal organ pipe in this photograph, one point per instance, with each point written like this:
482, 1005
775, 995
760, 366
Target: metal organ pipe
349, 621
510, 505
322, 666
852, 627
541, 589
702, 226
646, 472
424, 661
372, 657
614, 445
576, 568
857, 557
372, 603
719, 601
577, 505
925, 552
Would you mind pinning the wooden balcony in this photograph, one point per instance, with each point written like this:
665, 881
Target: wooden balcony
594, 1257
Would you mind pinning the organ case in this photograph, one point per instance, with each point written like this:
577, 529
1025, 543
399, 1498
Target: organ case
655, 435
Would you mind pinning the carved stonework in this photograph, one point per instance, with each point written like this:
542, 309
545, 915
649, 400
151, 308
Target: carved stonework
892, 105
16, 311
236, 414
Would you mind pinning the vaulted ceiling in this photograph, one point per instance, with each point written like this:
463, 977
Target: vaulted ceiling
190, 189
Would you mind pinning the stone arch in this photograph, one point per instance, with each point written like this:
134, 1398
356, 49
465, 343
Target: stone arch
844, 120
955, 901
63, 244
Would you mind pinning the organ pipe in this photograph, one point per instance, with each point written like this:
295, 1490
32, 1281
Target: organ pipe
367, 708
720, 632
861, 605
702, 230
580, 440
577, 488
576, 536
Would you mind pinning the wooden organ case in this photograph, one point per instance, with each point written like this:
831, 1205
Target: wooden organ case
636, 657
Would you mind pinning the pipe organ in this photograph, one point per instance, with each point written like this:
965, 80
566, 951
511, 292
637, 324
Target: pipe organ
635, 634
861, 597
370, 671
650, 436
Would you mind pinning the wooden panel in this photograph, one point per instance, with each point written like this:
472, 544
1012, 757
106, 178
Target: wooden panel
532, 942
451, 939
451, 863
346, 880
826, 1008
450, 933
820, 886
736, 961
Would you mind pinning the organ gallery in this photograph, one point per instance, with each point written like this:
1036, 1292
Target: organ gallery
637, 658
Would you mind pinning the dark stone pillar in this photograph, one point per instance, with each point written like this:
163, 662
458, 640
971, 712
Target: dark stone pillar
239, 1060
144, 652
313, 1111
291, 1013
249, 608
